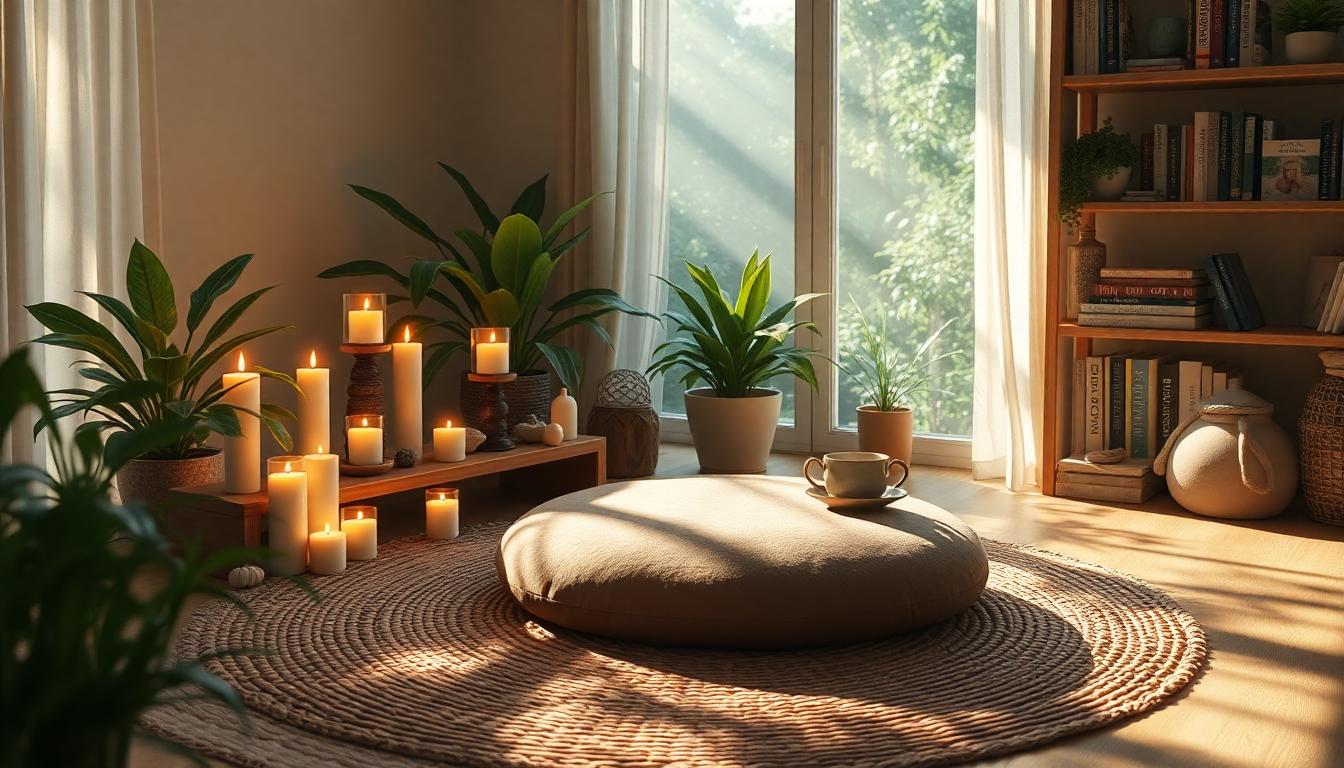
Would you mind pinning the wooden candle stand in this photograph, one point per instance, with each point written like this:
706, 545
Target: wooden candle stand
494, 411
364, 393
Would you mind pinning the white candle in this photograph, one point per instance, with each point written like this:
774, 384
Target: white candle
366, 325
314, 406
492, 357
324, 489
287, 519
408, 429
364, 444
326, 551
361, 536
242, 455
441, 518
450, 443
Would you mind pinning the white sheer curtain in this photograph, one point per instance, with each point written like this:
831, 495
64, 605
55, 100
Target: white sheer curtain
1011, 150
621, 146
70, 202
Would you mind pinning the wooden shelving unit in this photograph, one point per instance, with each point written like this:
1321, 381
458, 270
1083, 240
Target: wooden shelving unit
1073, 110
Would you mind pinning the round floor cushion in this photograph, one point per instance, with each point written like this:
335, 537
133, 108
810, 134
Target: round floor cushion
738, 562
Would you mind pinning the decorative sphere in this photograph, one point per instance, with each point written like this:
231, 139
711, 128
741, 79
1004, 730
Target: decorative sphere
404, 458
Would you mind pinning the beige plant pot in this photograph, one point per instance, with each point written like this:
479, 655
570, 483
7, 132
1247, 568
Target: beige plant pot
733, 435
889, 432
148, 480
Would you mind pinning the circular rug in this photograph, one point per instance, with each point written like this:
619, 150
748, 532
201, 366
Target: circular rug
420, 657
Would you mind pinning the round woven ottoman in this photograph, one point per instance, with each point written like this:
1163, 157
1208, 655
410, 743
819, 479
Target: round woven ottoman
737, 561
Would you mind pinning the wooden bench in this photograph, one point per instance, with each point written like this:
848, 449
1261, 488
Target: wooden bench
219, 519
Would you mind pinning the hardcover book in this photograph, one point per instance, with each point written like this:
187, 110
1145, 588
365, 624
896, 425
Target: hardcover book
1152, 291
1320, 274
1189, 389
1094, 419
1169, 322
1115, 401
1222, 295
1178, 310
1290, 169
1152, 273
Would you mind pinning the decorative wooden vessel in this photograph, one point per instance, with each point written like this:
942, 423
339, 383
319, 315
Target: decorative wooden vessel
624, 415
492, 412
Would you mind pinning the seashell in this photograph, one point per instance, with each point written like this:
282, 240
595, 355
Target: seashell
554, 434
474, 439
529, 431
246, 576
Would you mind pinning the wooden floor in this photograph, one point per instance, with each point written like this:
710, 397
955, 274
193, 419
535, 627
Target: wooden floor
1270, 595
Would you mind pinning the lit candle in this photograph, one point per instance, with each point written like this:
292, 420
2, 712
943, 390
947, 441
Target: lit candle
364, 444
324, 489
326, 551
361, 532
242, 454
492, 357
314, 406
408, 429
450, 443
287, 514
441, 513
365, 325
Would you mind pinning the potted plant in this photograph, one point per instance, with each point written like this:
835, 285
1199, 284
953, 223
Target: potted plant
1095, 165
162, 387
889, 381
734, 346
504, 284
1309, 29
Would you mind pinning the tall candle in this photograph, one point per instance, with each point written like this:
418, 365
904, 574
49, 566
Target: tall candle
314, 406
361, 532
326, 551
492, 357
364, 444
450, 443
441, 513
408, 430
287, 514
324, 489
366, 325
242, 454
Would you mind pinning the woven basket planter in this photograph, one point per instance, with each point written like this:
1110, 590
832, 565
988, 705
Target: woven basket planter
529, 394
148, 481
1321, 427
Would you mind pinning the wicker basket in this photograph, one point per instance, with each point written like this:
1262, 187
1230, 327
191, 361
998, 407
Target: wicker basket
1321, 427
625, 417
529, 394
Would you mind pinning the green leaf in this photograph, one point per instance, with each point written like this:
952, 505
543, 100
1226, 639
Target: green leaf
563, 220
21, 387
565, 362
59, 318
489, 221
222, 420
150, 289
501, 308
532, 201
230, 316
214, 286
121, 447
468, 280
114, 355
203, 361
422, 277
439, 355
535, 284
517, 244
151, 340
273, 416
398, 212
280, 376
598, 297
480, 250
166, 371
561, 249
363, 268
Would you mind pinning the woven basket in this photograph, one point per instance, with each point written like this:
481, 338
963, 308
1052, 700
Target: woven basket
1321, 427
529, 394
632, 439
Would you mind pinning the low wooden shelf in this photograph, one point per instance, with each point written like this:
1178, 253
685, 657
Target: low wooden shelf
220, 519
1187, 79
1278, 336
1221, 206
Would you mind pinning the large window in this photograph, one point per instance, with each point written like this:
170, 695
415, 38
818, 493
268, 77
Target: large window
839, 136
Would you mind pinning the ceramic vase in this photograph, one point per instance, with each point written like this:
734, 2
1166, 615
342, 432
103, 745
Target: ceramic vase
1309, 47
1111, 187
1086, 257
733, 435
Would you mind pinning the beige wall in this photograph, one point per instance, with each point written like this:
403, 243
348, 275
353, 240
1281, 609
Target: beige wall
259, 113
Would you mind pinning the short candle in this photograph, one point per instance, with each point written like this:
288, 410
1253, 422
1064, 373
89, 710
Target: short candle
441, 513
450, 443
287, 513
326, 551
491, 355
364, 443
361, 531
365, 325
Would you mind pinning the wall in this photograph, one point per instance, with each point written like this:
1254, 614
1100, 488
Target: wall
259, 113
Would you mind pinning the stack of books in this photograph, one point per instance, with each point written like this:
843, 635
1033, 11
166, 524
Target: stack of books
1220, 33
1149, 298
1232, 287
1323, 305
1131, 481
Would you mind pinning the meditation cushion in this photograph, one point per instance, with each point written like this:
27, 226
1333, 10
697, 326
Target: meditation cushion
736, 561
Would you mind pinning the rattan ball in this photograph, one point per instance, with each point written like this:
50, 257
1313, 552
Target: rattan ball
624, 388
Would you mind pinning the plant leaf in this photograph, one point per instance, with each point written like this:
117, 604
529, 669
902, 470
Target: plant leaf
150, 289
501, 308
398, 212
563, 220
531, 201
516, 245
421, 278
489, 221
565, 362
214, 286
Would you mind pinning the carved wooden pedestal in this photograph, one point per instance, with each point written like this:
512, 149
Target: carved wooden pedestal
494, 411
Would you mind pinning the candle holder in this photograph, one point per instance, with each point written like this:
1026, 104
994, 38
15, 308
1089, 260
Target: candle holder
364, 335
358, 459
442, 513
493, 411
490, 351
360, 523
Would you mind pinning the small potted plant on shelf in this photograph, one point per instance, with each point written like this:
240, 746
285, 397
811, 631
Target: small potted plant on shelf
162, 390
1094, 166
1309, 29
889, 382
734, 346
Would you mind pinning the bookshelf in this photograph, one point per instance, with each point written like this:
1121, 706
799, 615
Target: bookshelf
1074, 110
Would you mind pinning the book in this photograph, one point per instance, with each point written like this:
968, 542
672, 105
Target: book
1154, 282
1128, 467
1250, 157
1149, 300
1078, 39
1093, 22
1155, 68
1263, 33
1327, 162
1152, 291
1246, 34
1141, 407
1335, 315
1244, 302
1224, 158
1290, 169
1153, 273
1114, 370
1146, 162
1146, 321
1218, 34
1205, 381
1160, 160
1187, 162
1168, 372
1234, 155
1095, 492
1110, 42
1232, 34
1219, 380
1094, 418
1320, 272
1078, 433
1336, 139
1222, 296
1189, 391
1187, 310
1157, 61
1093, 478
1203, 29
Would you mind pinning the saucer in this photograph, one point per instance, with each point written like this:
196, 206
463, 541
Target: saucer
838, 502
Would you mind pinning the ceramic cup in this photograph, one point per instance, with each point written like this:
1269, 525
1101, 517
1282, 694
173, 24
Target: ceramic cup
854, 474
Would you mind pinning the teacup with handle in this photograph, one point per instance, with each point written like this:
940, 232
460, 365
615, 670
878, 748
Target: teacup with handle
854, 474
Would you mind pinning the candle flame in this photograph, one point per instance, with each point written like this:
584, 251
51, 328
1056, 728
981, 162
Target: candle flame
287, 469
319, 448
326, 528
441, 497
449, 425
408, 334
242, 366
366, 302
359, 514
312, 362
492, 336
364, 422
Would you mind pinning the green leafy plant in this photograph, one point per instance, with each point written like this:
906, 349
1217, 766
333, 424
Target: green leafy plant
888, 379
1308, 16
504, 285
1090, 157
164, 387
734, 345
92, 593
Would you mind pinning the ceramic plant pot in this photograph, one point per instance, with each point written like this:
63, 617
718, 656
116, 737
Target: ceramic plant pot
1111, 187
148, 481
733, 435
889, 432
1309, 47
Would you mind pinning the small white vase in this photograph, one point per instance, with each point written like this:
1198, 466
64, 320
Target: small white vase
1309, 47
565, 412
1111, 187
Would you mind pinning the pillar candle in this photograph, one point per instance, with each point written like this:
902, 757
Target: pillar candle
361, 536
324, 490
450, 443
287, 516
441, 518
326, 551
364, 445
408, 430
242, 454
492, 357
314, 406
366, 325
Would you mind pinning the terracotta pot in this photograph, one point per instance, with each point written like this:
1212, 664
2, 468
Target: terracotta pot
889, 432
1309, 47
528, 394
733, 435
1111, 187
148, 480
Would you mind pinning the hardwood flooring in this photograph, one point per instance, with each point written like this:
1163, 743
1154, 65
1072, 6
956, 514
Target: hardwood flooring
1270, 595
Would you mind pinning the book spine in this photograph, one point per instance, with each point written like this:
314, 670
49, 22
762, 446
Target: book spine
1190, 394
1140, 273
1224, 146
1123, 37
1094, 439
1221, 297
1326, 161
1246, 35
1217, 33
1146, 161
1138, 409
1188, 163
1234, 294
1115, 401
1078, 434
1248, 169
1234, 154
1200, 182
1093, 23
1160, 159
1262, 33
1110, 37
1175, 310
1142, 300
1336, 147
1161, 322
1175, 141
1078, 39
1245, 294
1212, 131
1203, 27
1167, 392
1150, 291
1257, 155
1232, 35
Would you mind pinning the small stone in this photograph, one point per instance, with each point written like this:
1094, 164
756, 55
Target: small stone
404, 458
529, 431
474, 439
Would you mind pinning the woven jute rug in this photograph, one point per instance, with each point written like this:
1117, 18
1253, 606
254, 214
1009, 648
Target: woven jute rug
420, 658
